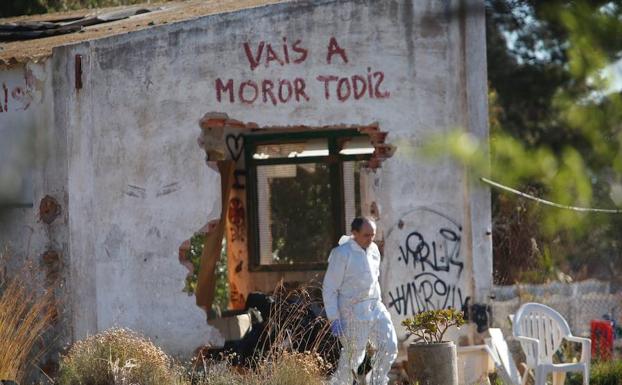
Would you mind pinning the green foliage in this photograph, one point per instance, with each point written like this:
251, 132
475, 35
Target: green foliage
308, 196
221, 298
555, 133
601, 373
116, 356
430, 326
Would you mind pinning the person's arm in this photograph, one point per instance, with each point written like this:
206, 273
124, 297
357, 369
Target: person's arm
332, 283
377, 273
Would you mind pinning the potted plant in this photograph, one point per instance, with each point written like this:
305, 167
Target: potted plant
431, 360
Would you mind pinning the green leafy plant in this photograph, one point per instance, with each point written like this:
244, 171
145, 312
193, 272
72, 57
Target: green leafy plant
193, 254
430, 326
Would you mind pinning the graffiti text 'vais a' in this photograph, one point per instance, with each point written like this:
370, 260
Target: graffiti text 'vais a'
355, 86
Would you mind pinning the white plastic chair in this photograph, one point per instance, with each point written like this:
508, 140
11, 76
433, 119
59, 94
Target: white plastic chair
501, 356
540, 331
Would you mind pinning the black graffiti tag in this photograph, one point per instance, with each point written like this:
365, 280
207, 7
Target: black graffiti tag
235, 146
416, 249
437, 266
425, 292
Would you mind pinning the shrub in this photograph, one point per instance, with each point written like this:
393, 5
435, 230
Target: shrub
116, 357
216, 373
601, 373
430, 326
23, 319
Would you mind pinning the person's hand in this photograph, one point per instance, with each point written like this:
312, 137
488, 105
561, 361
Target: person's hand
337, 328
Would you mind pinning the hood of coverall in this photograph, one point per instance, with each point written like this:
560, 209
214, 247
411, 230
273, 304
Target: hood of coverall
344, 239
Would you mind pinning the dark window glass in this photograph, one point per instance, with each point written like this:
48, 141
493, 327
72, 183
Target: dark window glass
295, 213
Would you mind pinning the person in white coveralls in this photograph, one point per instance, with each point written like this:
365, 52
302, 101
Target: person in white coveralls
351, 294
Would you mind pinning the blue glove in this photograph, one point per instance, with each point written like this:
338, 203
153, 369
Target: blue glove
337, 327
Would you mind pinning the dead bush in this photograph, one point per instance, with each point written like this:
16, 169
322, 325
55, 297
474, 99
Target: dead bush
116, 357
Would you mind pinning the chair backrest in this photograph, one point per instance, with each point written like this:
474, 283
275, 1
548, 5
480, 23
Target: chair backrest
544, 324
503, 358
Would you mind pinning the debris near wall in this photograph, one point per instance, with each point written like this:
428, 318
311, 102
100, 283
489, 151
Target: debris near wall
286, 321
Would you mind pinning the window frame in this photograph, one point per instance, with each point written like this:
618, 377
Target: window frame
335, 163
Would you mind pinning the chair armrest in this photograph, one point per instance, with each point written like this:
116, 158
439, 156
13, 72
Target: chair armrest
536, 343
586, 347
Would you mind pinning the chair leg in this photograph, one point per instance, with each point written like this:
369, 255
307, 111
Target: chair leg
525, 376
540, 376
559, 378
586, 375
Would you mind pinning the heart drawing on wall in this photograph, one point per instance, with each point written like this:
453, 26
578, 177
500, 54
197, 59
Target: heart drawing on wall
235, 145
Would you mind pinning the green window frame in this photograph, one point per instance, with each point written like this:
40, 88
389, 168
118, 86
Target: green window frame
334, 160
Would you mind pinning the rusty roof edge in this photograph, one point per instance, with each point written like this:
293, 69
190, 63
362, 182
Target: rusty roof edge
7, 63
281, 5
11, 62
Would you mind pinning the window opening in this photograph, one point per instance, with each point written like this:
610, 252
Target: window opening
303, 190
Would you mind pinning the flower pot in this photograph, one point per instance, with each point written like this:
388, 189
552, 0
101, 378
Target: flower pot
433, 364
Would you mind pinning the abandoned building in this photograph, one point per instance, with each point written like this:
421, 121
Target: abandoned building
269, 124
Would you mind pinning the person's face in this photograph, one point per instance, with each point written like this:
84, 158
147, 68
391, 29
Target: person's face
365, 236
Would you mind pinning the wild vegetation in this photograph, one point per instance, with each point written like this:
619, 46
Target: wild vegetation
221, 295
116, 356
290, 352
555, 109
24, 318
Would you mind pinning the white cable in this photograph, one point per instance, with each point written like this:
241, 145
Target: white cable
540, 200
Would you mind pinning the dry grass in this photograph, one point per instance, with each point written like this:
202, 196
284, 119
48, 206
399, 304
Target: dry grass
292, 369
294, 327
288, 368
290, 352
295, 348
116, 357
24, 318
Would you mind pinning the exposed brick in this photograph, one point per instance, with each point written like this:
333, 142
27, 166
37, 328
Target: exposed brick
373, 163
183, 250
232, 123
213, 120
377, 137
384, 151
49, 209
50, 257
214, 123
369, 129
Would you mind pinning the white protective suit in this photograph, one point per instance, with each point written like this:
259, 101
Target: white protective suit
351, 293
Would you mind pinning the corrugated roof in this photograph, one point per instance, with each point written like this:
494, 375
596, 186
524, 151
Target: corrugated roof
160, 13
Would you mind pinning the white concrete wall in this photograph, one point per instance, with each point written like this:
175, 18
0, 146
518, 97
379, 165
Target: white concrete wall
22, 113
33, 164
138, 188
138, 185
28, 170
